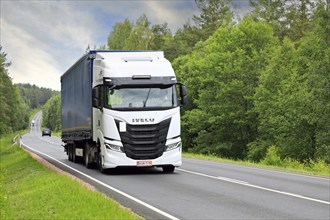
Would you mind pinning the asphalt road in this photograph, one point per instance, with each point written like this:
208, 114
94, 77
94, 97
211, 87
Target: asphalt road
199, 189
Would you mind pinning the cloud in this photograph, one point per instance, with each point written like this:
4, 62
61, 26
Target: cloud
30, 64
174, 14
42, 39
52, 21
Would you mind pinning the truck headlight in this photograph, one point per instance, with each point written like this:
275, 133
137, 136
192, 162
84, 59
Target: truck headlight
173, 146
114, 147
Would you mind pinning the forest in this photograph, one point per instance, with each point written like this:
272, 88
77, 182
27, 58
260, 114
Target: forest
18, 100
254, 83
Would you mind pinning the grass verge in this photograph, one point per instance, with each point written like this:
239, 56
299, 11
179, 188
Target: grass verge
318, 168
29, 190
57, 134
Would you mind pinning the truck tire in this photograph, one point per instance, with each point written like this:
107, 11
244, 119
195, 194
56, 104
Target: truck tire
100, 163
87, 158
168, 169
69, 152
74, 158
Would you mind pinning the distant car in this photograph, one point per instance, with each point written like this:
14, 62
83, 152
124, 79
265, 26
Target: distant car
33, 122
46, 131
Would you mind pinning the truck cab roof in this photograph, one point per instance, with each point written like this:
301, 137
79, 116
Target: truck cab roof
130, 63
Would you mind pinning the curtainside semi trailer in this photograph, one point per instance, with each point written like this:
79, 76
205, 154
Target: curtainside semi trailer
122, 109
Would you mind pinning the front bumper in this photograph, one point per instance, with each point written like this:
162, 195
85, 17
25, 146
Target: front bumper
113, 159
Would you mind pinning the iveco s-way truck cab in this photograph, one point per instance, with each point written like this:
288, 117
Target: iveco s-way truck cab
122, 109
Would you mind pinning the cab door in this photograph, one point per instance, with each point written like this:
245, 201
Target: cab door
98, 104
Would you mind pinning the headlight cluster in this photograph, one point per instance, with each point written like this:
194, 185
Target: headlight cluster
114, 147
121, 149
173, 146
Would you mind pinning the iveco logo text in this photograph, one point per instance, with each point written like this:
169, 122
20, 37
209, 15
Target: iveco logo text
143, 120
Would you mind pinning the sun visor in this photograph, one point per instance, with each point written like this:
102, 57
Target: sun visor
140, 81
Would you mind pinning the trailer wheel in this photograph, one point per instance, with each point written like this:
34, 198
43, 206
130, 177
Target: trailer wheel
74, 158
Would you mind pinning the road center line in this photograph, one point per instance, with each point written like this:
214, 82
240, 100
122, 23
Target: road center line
106, 185
51, 142
255, 186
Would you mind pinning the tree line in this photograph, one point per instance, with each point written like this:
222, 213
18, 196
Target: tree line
17, 100
35, 96
13, 109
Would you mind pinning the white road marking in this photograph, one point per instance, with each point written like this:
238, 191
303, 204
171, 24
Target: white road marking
231, 180
51, 142
107, 186
255, 186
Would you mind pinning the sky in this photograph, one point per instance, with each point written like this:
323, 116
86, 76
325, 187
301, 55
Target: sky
42, 39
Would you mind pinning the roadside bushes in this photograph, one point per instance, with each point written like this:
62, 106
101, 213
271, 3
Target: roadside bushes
272, 158
51, 114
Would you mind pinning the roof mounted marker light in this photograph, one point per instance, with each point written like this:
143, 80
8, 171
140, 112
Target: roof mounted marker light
141, 77
91, 56
107, 81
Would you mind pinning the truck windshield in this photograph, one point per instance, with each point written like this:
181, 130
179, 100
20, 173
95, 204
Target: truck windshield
154, 97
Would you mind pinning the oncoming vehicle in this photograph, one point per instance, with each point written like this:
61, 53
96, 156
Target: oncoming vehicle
46, 131
33, 122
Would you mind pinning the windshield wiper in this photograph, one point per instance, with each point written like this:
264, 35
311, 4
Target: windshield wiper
145, 101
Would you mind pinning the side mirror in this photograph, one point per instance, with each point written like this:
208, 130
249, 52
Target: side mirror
95, 103
183, 95
97, 100
184, 101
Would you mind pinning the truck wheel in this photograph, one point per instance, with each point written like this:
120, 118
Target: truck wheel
168, 169
69, 152
74, 158
87, 159
100, 163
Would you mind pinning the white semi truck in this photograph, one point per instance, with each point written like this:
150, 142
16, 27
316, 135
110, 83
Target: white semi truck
122, 109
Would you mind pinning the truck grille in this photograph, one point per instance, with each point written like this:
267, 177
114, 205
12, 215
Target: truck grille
144, 141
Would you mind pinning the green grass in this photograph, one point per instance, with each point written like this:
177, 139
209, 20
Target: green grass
29, 190
318, 168
57, 134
